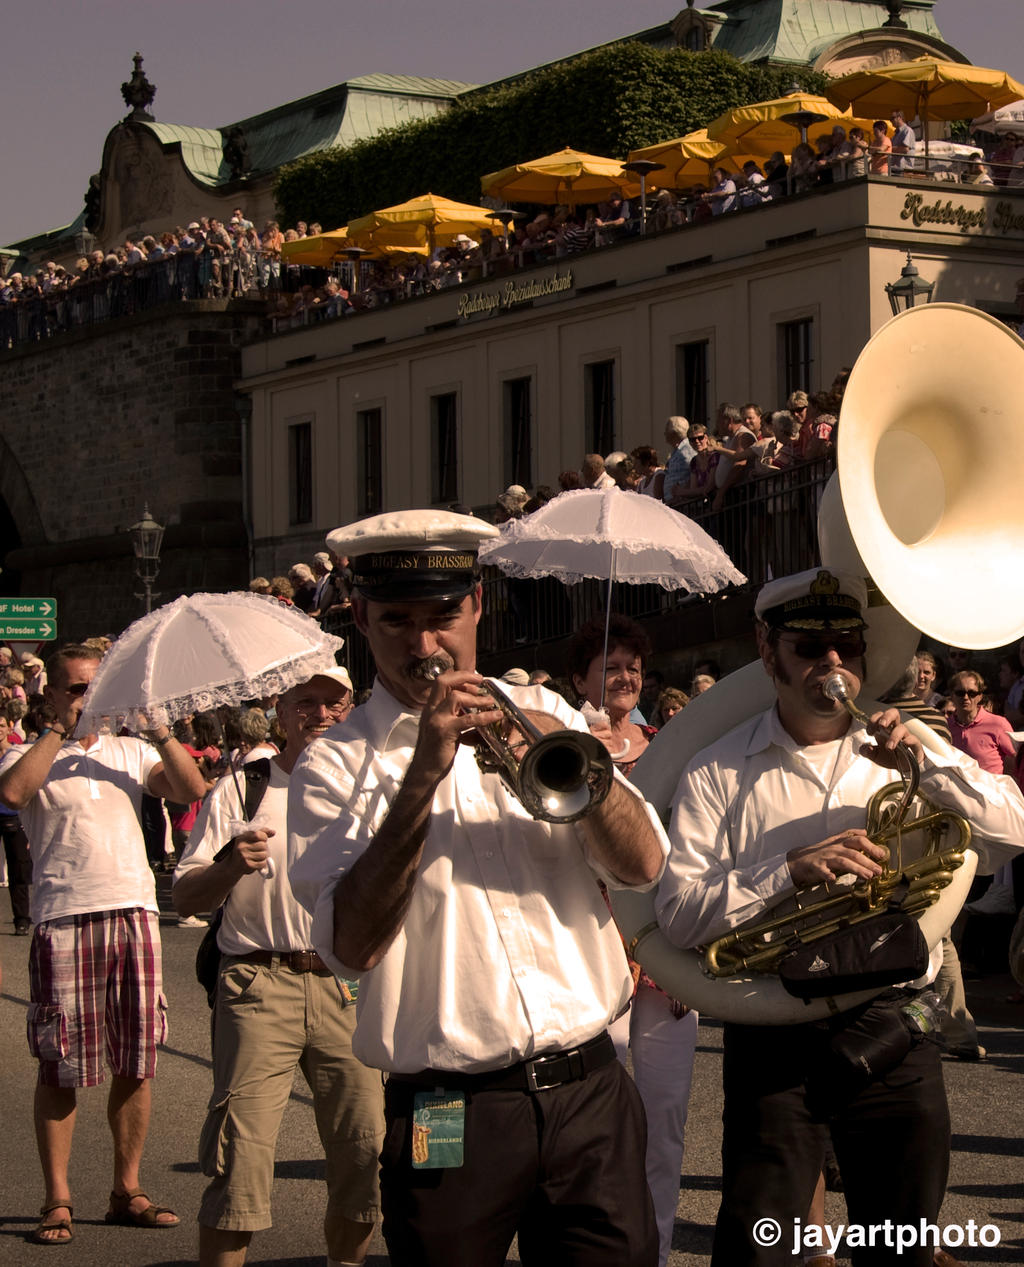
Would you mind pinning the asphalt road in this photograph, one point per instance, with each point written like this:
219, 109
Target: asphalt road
985, 1182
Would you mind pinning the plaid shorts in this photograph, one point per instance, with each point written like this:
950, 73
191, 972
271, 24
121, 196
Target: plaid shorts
95, 986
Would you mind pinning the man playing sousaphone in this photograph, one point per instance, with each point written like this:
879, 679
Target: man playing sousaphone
780, 803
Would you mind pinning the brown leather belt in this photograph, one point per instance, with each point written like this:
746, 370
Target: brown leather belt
296, 960
539, 1074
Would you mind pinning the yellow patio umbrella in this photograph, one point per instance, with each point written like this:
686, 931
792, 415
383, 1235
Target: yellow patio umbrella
845, 121
568, 177
318, 251
426, 221
684, 158
328, 248
759, 143
927, 88
766, 126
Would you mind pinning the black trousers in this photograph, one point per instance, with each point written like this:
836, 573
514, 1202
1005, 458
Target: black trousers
154, 828
19, 865
563, 1167
891, 1140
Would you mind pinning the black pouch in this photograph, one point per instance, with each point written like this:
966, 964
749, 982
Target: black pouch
208, 958
864, 1046
877, 952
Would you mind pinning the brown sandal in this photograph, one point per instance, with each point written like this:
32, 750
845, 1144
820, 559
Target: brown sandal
123, 1215
64, 1225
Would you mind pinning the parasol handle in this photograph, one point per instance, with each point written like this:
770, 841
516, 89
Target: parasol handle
236, 826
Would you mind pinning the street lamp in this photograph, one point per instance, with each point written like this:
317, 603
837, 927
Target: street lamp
506, 217
801, 119
643, 167
909, 290
355, 254
147, 536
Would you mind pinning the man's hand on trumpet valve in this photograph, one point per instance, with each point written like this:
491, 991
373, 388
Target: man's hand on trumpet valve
888, 732
454, 709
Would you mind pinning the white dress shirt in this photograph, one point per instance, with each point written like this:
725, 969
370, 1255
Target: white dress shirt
260, 912
748, 799
508, 948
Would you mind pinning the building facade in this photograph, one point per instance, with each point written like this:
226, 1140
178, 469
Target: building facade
453, 396
250, 445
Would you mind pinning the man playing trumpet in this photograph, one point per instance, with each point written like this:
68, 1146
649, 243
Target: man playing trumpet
779, 803
490, 964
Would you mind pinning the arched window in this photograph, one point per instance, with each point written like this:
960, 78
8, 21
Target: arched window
691, 30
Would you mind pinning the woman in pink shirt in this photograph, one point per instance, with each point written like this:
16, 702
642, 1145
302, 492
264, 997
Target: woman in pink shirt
880, 148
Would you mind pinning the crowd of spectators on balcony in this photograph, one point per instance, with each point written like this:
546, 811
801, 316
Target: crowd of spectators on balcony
209, 258
714, 474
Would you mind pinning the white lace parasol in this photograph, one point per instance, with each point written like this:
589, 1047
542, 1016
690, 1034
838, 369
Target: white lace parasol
200, 651
610, 535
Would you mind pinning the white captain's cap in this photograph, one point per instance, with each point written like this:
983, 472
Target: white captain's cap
412, 555
819, 599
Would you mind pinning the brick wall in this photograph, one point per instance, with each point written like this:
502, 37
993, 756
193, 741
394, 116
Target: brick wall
100, 421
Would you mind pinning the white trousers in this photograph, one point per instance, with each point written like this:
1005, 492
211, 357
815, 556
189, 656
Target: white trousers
663, 1048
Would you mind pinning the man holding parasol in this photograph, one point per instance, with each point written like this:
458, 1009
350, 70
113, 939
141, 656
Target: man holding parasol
95, 956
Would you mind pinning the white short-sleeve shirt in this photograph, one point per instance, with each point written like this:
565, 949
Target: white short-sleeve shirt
84, 831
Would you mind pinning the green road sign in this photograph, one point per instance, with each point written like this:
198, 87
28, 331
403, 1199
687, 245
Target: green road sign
28, 609
27, 630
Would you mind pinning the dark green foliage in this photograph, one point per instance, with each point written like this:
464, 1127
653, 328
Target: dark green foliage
607, 102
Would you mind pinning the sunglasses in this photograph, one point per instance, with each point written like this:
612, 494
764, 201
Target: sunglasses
77, 689
961, 693
847, 647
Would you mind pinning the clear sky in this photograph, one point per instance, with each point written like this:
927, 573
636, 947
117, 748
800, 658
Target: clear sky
215, 62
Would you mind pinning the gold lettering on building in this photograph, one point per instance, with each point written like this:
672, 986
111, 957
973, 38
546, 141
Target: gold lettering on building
514, 293
1007, 220
938, 212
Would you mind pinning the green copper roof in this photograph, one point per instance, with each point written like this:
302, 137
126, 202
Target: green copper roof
800, 30
201, 148
348, 112
410, 85
797, 31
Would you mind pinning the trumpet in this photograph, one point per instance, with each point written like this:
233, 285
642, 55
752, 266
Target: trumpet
561, 777
821, 910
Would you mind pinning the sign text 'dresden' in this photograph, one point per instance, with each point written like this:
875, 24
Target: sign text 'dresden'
27, 630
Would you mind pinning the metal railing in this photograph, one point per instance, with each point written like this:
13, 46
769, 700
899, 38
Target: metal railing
768, 524
36, 316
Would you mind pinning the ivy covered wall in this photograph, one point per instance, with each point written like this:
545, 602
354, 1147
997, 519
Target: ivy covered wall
606, 102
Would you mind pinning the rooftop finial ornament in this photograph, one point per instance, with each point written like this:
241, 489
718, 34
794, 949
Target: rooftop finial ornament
895, 9
138, 93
